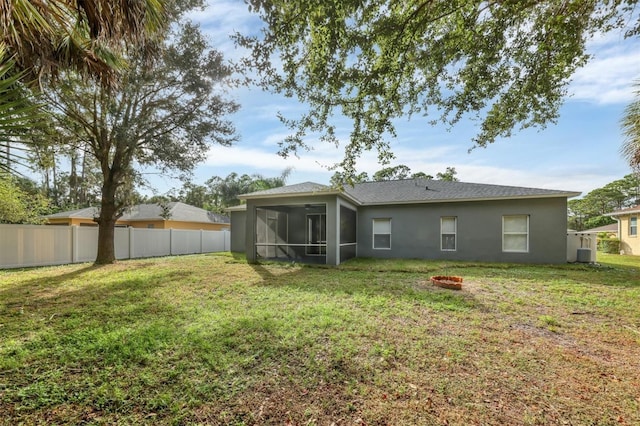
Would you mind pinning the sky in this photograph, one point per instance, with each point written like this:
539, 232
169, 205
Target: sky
578, 153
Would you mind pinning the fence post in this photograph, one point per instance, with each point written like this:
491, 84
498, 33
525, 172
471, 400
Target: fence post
131, 242
74, 244
170, 241
201, 243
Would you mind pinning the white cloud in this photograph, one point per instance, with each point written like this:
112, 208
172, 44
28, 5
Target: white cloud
220, 19
609, 76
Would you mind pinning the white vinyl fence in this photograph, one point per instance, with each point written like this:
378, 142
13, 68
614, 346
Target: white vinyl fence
39, 245
581, 247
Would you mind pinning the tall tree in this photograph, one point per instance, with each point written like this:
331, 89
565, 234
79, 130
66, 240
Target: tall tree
588, 211
225, 191
165, 113
448, 175
506, 64
392, 173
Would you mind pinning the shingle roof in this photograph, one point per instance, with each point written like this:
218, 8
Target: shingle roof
415, 191
296, 189
87, 212
426, 190
613, 227
623, 212
178, 211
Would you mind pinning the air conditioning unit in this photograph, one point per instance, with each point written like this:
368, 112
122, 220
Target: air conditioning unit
584, 255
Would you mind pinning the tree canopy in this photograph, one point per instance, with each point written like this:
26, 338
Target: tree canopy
224, 192
18, 205
504, 64
398, 172
588, 212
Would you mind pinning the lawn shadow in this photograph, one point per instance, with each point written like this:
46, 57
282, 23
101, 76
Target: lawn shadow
27, 287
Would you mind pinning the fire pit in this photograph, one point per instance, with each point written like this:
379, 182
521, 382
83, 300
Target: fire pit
447, 281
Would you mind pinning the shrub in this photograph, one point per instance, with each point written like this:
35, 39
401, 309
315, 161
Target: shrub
609, 245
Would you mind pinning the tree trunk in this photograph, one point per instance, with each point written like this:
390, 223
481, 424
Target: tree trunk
73, 178
106, 225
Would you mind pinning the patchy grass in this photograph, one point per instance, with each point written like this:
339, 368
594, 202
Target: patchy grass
213, 340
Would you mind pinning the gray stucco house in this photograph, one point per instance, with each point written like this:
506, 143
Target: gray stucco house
413, 218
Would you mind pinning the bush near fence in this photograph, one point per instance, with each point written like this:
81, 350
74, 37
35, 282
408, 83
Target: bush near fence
41, 245
609, 245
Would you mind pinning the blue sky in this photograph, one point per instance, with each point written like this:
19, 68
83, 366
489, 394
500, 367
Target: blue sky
579, 153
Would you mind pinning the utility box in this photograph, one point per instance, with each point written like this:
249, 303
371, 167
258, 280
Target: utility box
584, 255
581, 247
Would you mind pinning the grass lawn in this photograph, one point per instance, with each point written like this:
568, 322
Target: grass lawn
212, 340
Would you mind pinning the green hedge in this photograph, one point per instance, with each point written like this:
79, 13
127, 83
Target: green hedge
609, 245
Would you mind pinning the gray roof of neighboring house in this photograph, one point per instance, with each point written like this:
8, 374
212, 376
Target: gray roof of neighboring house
623, 212
177, 211
415, 191
612, 227
87, 212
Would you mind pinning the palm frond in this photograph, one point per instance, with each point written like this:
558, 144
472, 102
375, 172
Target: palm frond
630, 124
18, 114
45, 37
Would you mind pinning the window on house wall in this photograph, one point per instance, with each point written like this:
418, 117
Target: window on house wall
633, 225
151, 226
448, 229
381, 233
515, 233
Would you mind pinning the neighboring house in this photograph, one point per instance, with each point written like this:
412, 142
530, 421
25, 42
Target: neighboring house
610, 230
175, 216
628, 229
412, 218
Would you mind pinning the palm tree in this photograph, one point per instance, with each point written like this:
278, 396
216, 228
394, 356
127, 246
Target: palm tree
16, 112
631, 129
40, 39
46, 36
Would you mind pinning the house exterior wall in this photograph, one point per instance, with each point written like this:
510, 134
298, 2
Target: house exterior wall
238, 230
629, 244
157, 224
71, 221
415, 230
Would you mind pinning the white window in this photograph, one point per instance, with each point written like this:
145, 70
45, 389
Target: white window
515, 233
381, 233
633, 226
448, 228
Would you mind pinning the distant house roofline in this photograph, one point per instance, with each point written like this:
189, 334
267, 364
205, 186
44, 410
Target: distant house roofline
178, 212
624, 212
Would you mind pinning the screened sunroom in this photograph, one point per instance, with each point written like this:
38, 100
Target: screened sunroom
305, 233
